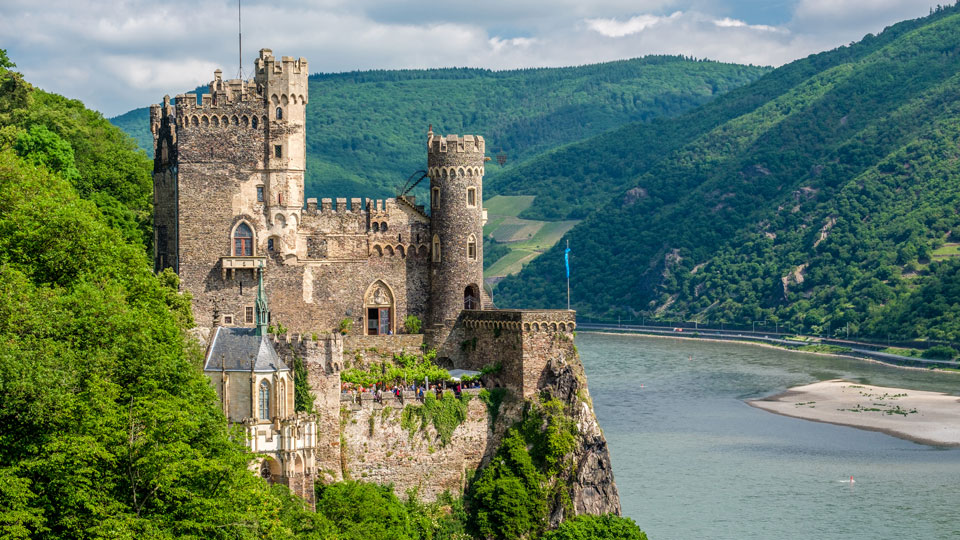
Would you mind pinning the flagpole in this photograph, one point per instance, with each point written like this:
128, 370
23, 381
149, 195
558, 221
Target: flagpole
568, 276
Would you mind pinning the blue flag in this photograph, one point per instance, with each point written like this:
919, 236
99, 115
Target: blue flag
566, 259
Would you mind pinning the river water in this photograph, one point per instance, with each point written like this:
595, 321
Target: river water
693, 461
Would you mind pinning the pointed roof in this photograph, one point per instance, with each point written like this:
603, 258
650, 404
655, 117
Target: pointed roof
241, 349
262, 311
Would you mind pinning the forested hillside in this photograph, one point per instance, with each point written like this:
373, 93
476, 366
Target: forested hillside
365, 130
110, 429
820, 196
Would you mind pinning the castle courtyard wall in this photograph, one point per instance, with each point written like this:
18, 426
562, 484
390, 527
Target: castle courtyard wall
382, 451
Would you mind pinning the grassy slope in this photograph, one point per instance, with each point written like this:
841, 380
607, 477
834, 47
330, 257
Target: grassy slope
365, 129
862, 136
523, 239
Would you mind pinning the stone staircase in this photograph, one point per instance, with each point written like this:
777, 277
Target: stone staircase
486, 301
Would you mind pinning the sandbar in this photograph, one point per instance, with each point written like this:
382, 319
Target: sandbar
924, 417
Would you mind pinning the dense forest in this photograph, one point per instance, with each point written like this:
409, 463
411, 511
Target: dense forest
110, 428
366, 129
823, 197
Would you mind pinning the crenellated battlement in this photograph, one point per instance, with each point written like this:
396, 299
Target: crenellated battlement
377, 207
267, 64
525, 320
438, 144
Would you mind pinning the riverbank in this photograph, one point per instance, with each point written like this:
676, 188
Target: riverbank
924, 417
904, 362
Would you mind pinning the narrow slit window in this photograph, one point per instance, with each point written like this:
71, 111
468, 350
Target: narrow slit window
278, 151
436, 248
259, 193
248, 314
435, 198
471, 196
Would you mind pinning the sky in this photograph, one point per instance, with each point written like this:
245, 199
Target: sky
116, 55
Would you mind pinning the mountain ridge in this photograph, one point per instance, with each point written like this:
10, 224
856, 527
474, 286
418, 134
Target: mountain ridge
719, 228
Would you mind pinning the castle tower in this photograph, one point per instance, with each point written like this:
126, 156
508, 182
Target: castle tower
455, 166
228, 183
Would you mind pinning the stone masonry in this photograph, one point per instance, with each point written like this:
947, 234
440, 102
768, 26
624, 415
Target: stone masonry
230, 208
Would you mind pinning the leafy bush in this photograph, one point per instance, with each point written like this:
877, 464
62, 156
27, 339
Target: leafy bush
302, 397
589, 527
345, 326
512, 495
412, 324
445, 414
940, 352
362, 511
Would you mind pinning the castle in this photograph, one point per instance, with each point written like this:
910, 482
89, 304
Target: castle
232, 221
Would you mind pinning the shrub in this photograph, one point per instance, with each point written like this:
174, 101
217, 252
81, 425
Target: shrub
589, 527
412, 324
346, 325
939, 352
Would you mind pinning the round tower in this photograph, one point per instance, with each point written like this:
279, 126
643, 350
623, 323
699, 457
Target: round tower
455, 166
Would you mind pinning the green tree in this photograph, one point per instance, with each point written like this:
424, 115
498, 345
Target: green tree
589, 527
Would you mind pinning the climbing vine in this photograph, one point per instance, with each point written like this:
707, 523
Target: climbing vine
445, 414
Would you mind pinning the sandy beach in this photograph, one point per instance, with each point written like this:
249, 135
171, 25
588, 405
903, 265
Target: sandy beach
923, 417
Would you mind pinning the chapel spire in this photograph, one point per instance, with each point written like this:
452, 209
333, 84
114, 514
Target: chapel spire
263, 313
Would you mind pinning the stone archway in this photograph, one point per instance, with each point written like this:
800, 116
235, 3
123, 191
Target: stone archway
270, 470
379, 310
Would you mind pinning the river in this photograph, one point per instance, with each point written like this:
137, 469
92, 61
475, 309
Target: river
693, 461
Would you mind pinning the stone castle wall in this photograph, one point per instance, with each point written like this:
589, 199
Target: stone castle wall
378, 449
522, 342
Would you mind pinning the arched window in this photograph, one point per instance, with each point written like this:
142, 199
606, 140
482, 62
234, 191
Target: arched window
472, 248
471, 196
436, 248
471, 297
253, 122
376, 226
264, 400
243, 241
383, 226
435, 197
279, 113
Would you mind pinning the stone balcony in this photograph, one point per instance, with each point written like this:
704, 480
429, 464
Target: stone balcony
240, 263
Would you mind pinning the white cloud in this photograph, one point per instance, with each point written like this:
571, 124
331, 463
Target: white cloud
117, 56
633, 25
727, 22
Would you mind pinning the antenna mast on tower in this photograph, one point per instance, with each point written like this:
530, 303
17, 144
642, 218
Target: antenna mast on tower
239, 42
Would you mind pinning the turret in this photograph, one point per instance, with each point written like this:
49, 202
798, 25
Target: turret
455, 166
283, 85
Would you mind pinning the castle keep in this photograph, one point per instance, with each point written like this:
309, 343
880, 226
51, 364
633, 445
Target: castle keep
232, 221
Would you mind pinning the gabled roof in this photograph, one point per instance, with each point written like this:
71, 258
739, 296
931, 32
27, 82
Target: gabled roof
237, 349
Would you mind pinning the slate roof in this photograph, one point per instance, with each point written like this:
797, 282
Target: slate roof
235, 349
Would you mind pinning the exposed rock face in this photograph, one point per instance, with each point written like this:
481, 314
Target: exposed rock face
594, 490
